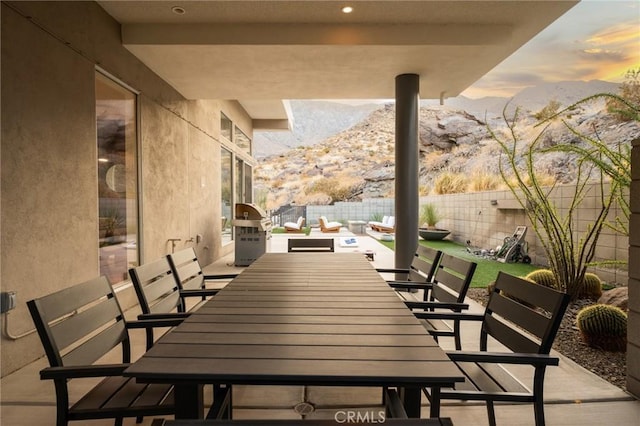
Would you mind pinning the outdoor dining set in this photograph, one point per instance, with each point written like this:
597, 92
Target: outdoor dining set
308, 317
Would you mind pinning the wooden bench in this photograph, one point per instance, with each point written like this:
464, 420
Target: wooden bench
159, 293
78, 326
522, 316
296, 245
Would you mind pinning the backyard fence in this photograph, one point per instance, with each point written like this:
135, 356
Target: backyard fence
485, 219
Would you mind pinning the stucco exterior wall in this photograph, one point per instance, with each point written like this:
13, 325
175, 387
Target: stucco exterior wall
49, 199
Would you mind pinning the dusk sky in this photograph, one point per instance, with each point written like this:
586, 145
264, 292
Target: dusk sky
595, 40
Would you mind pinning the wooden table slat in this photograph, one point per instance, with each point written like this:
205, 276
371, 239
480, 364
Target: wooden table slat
309, 319
337, 329
349, 353
297, 339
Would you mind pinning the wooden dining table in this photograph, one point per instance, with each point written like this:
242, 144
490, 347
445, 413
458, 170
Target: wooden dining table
316, 319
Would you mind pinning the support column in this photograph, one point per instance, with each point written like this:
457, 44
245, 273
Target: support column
407, 168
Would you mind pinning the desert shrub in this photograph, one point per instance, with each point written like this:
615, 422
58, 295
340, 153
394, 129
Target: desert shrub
424, 190
630, 92
333, 187
450, 183
377, 217
315, 199
543, 179
482, 181
548, 111
603, 327
429, 215
591, 287
544, 277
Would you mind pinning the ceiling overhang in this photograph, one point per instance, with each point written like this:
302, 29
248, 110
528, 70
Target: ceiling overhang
260, 52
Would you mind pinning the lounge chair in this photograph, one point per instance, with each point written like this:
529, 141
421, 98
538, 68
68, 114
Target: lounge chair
294, 226
326, 226
388, 224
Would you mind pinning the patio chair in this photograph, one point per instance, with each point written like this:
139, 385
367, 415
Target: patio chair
297, 245
421, 271
522, 316
79, 325
159, 294
190, 278
447, 291
388, 224
294, 226
326, 226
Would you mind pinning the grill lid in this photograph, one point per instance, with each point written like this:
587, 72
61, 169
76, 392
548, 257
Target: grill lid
249, 211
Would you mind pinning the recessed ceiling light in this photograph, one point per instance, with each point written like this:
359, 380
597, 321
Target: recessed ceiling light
347, 9
178, 10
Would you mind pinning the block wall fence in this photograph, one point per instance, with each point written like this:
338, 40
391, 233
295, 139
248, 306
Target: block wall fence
486, 218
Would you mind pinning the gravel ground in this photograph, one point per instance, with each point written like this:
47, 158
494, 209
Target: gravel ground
611, 366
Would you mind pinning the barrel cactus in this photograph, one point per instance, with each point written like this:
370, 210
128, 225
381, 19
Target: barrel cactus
591, 287
603, 327
544, 277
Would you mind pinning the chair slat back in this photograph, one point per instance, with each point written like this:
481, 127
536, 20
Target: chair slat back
452, 279
535, 309
156, 287
310, 245
187, 269
424, 264
80, 324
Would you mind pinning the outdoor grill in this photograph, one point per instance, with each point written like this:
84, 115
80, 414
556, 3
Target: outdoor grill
252, 230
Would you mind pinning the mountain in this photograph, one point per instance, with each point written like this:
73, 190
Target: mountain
531, 98
313, 121
359, 161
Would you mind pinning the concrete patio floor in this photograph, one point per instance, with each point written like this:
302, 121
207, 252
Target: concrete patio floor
573, 395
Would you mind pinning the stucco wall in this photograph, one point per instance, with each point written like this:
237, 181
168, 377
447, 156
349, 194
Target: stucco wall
49, 192
49, 205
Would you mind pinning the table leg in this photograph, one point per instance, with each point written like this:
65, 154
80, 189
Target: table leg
435, 402
189, 401
411, 401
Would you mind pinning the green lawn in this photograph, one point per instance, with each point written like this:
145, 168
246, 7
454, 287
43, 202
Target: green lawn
487, 269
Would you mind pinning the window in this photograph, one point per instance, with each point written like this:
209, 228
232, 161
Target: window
248, 184
239, 195
116, 124
226, 169
242, 140
225, 127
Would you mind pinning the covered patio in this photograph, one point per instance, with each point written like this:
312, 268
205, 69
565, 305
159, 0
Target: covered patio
187, 69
